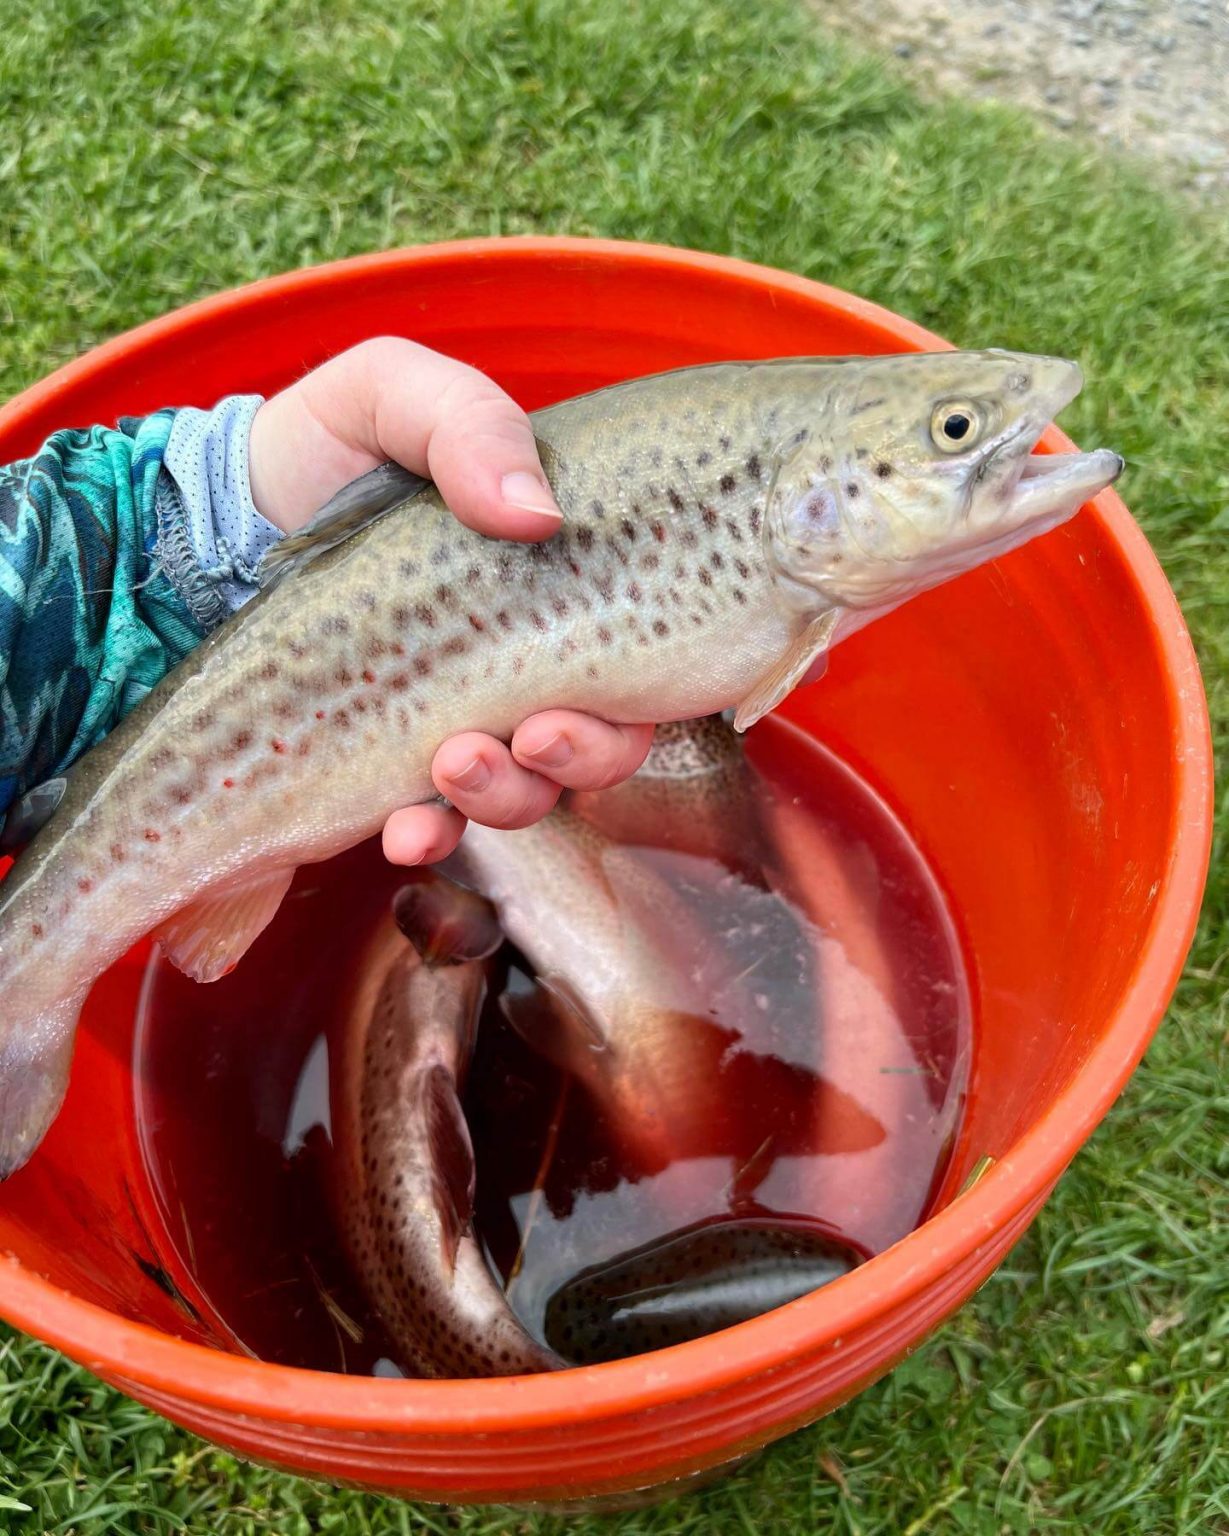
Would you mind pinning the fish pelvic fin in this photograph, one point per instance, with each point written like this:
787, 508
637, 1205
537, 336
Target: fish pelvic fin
446, 923
356, 506
34, 1066
209, 937
454, 1174
783, 676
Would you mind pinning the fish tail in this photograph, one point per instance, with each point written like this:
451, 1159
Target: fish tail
34, 1063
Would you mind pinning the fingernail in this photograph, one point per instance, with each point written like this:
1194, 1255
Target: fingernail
473, 777
553, 753
526, 492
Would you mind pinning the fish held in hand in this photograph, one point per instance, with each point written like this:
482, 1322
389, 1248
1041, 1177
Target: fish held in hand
403, 1177
723, 527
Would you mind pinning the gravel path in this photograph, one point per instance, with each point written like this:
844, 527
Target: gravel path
1147, 76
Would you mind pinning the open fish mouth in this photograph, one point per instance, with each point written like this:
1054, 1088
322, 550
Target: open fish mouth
1051, 483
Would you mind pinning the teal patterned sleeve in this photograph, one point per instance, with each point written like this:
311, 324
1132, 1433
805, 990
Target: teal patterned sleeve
89, 618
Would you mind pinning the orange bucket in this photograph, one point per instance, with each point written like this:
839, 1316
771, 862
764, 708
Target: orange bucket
1039, 726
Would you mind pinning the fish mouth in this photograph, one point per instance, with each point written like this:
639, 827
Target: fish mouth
1052, 484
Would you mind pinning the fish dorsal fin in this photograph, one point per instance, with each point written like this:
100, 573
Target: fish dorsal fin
208, 938
30, 814
452, 1157
785, 675
354, 507
446, 923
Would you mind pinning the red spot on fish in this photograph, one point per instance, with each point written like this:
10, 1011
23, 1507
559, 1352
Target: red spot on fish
368, 675
37, 930
85, 885
151, 836
319, 714
476, 623
228, 783
399, 681
278, 746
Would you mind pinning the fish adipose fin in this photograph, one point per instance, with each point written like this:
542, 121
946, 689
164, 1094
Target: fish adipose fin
452, 1157
363, 501
811, 646
34, 1063
209, 937
446, 923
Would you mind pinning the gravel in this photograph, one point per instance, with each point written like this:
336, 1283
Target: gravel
1149, 77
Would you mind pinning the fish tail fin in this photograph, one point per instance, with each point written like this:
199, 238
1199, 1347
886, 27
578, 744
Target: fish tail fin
34, 1062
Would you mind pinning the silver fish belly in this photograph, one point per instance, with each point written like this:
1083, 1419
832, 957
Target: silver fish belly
723, 527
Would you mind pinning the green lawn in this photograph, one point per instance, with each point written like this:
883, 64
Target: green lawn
200, 143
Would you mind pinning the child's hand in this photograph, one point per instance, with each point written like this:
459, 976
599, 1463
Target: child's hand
392, 399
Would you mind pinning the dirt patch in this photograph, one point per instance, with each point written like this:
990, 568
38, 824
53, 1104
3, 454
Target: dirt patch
1147, 76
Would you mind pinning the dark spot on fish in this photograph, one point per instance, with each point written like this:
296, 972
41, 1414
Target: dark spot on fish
628, 529
634, 592
616, 549
727, 484
605, 587
852, 489
443, 595
883, 470
584, 537
706, 579
296, 650
457, 646
703, 458
866, 405
689, 539
368, 675
710, 518
335, 624
753, 466
439, 555
734, 531
117, 853
360, 706
152, 836
756, 518
655, 458
724, 443
536, 619
590, 670
560, 606
649, 561
658, 529
342, 675
401, 616
503, 619
716, 560
408, 569
604, 636
597, 509
1019, 382
676, 597
476, 623
85, 885
180, 794
676, 501
825, 463
660, 627
270, 670
743, 569
425, 615
518, 665
240, 740
739, 595
473, 574
341, 717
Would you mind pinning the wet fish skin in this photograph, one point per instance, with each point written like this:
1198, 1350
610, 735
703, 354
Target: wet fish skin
403, 1171
723, 526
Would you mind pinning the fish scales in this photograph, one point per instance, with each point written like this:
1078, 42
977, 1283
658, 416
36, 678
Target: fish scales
722, 527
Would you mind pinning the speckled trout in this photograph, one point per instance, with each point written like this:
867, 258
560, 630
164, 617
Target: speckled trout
723, 527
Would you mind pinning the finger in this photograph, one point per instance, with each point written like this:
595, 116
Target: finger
421, 834
579, 751
393, 399
483, 780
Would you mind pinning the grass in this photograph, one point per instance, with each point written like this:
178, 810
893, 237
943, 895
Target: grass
155, 153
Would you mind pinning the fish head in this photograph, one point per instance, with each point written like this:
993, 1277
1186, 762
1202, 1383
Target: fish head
918, 468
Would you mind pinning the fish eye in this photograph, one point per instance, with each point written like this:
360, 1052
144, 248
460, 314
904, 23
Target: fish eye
955, 425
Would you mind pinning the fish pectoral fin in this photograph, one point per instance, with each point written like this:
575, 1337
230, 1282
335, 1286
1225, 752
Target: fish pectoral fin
452, 1157
34, 1064
553, 1020
209, 937
356, 505
781, 679
446, 923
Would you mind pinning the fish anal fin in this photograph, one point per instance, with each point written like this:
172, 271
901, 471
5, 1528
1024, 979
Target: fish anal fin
353, 508
209, 937
446, 923
34, 1066
452, 1156
784, 675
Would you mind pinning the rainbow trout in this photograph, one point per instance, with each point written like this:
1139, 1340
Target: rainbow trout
403, 1176
723, 527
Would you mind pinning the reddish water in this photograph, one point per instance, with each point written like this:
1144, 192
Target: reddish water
840, 1118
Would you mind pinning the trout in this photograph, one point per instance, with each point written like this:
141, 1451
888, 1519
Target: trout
723, 527
403, 1174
